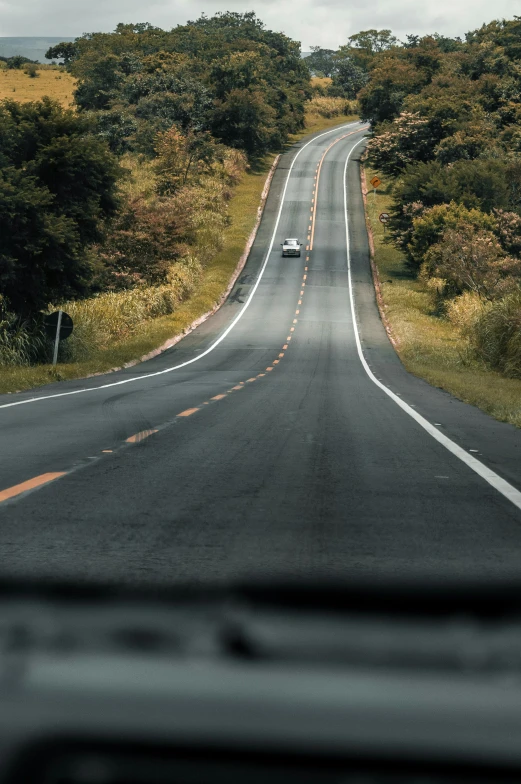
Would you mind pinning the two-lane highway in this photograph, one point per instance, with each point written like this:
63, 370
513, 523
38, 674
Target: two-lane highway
281, 436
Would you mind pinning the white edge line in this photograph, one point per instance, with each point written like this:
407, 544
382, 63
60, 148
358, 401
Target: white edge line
501, 485
227, 330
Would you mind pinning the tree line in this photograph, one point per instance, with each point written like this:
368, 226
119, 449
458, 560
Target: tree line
190, 107
446, 119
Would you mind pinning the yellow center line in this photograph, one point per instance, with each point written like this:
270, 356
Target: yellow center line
319, 169
289, 337
251, 379
217, 397
105, 451
269, 368
137, 437
188, 412
294, 321
281, 354
292, 329
260, 375
299, 302
239, 386
276, 361
285, 345
30, 484
304, 277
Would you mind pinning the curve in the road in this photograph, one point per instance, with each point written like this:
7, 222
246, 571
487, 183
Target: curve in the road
235, 320
498, 483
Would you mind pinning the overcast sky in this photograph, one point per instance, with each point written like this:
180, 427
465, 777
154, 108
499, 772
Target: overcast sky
325, 23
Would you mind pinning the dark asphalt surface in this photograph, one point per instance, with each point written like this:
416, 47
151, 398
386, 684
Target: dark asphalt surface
307, 470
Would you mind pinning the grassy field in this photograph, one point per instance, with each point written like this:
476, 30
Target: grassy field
18, 86
428, 345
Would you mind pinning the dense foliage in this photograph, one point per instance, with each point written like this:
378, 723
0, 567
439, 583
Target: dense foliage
182, 110
446, 119
57, 188
226, 74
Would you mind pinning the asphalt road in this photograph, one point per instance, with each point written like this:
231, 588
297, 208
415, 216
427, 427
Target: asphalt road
274, 452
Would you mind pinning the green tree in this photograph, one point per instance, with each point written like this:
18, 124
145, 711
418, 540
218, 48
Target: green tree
66, 51
57, 188
321, 62
245, 120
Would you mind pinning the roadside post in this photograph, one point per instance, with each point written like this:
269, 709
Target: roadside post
375, 182
383, 218
58, 325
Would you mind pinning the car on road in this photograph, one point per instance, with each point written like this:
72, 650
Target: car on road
291, 247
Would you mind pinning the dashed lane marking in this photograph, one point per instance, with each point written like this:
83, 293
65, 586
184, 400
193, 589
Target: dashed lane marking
188, 412
137, 437
30, 484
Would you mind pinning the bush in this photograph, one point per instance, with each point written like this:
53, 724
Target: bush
101, 321
496, 335
31, 70
324, 106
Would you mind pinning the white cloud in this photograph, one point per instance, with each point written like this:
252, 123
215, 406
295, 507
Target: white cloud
326, 23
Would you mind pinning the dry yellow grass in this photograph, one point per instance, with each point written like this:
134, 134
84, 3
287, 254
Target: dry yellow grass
18, 86
430, 346
322, 81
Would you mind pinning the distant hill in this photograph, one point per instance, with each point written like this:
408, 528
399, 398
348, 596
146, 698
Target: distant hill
34, 47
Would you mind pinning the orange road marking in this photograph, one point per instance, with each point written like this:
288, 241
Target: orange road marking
30, 484
259, 375
307, 247
292, 329
307, 259
299, 302
188, 412
276, 361
137, 437
106, 450
239, 386
217, 397
301, 293
251, 379
269, 368
297, 312
281, 354
285, 345
319, 169
304, 277
289, 337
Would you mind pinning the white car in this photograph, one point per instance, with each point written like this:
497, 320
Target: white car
291, 247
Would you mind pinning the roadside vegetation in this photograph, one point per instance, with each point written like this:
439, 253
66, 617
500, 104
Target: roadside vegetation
447, 146
172, 136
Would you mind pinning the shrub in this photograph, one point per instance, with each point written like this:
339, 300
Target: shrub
31, 69
496, 335
472, 260
324, 106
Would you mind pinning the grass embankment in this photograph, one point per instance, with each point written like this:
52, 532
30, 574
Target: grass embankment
428, 344
18, 86
150, 333
154, 332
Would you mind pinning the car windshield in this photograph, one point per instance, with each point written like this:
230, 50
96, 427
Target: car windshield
182, 398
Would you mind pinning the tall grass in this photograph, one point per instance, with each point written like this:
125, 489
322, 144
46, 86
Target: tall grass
495, 335
325, 106
113, 317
